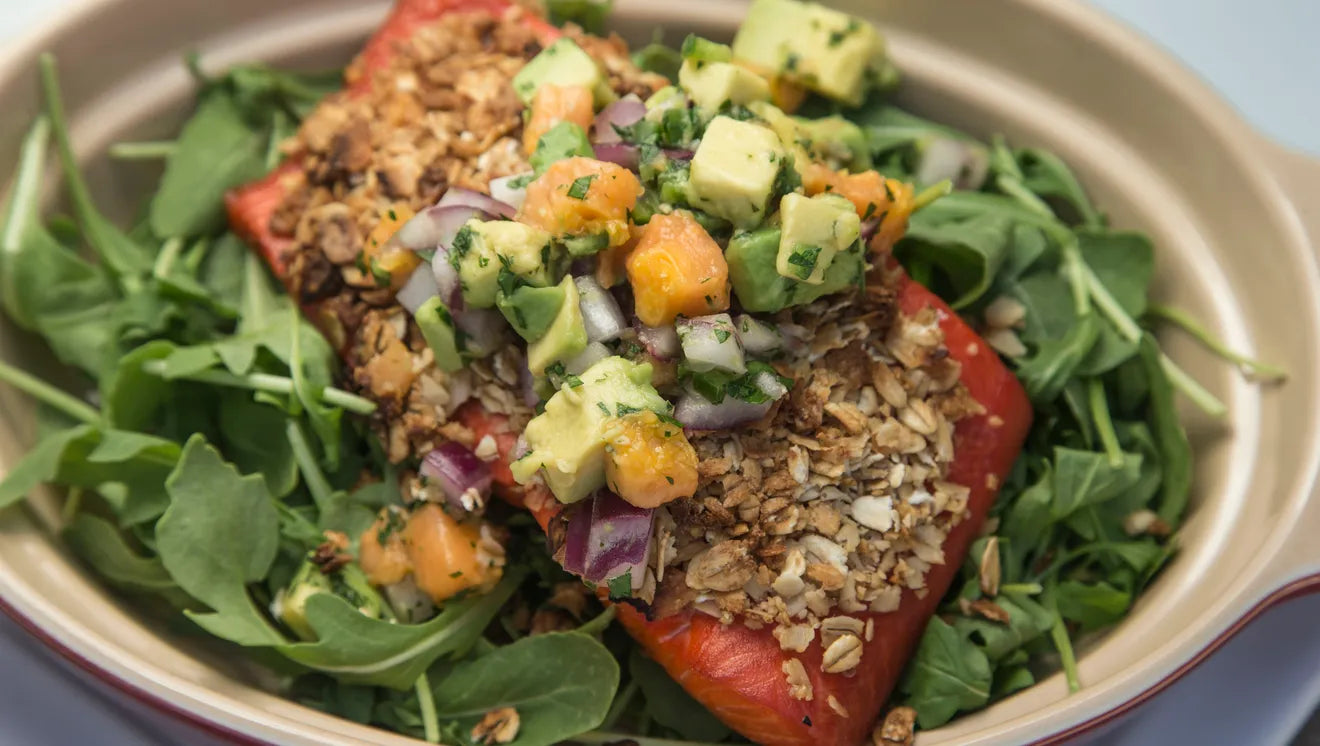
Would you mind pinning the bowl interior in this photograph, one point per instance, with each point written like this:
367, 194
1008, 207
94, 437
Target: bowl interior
1156, 151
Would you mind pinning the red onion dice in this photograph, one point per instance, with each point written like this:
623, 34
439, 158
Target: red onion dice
757, 337
420, 287
457, 470
446, 280
709, 343
601, 314
661, 341
457, 196
434, 227
625, 112
618, 153
608, 537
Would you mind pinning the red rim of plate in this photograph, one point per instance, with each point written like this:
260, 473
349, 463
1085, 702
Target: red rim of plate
1300, 587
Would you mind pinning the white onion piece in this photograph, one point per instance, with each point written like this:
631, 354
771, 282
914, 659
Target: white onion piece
420, 287
625, 112
409, 603
696, 412
484, 329
770, 385
758, 337
460, 197
594, 353
450, 288
434, 227
709, 343
661, 341
963, 163
509, 195
600, 312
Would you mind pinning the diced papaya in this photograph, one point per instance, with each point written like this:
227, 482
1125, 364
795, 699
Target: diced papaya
382, 553
554, 104
583, 197
677, 269
873, 195
380, 256
650, 461
611, 264
446, 555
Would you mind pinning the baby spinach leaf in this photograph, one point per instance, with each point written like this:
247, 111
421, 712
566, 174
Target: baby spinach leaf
220, 533
1092, 605
358, 649
105, 550
561, 684
217, 150
1087, 478
968, 252
670, 705
947, 674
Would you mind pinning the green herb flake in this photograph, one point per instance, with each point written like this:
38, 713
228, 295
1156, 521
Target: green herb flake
578, 189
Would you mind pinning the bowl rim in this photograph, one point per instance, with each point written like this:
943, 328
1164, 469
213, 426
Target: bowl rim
1242, 141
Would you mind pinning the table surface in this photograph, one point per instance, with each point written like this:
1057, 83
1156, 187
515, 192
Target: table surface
1259, 689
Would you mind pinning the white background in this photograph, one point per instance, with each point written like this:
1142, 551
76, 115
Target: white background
1265, 58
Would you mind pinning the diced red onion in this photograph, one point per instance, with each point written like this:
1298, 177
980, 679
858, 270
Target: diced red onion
869, 227
757, 337
446, 280
502, 191
600, 312
661, 341
696, 412
594, 353
618, 153
434, 227
527, 384
678, 154
484, 329
625, 112
420, 287
963, 163
709, 343
607, 538
457, 469
457, 196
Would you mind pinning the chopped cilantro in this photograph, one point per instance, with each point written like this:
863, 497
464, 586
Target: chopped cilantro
603, 407
580, 186
621, 586
669, 479
804, 258
722, 335
624, 410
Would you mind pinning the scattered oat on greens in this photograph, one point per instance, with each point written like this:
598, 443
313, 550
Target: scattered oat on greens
207, 448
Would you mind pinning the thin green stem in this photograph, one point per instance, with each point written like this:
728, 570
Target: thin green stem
1109, 306
1200, 396
1075, 270
350, 402
264, 382
317, 484
196, 254
598, 624
426, 703
79, 194
1015, 189
1025, 589
1095, 390
169, 254
143, 151
620, 704
27, 186
931, 193
72, 504
1062, 643
1253, 369
48, 394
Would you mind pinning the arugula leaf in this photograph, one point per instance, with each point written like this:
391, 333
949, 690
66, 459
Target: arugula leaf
105, 550
658, 58
1028, 621
1092, 605
1084, 478
41, 463
1046, 175
216, 151
220, 533
254, 439
946, 674
1045, 372
968, 252
561, 684
589, 14
670, 705
131, 398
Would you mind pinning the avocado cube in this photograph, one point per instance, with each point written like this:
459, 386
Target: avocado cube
757, 284
530, 310
710, 85
814, 230
563, 63
567, 441
830, 52
836, 139
485, 249
444, 339
565, 337
348, 582
734, 170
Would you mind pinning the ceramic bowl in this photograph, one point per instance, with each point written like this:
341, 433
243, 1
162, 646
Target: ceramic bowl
1236, 219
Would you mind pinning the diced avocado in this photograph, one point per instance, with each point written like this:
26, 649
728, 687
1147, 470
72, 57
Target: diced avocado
697, 49
347, 582
564, 140
588, 245
814, 230
790, 132
530, 310
752, 258
711, 85
669, 97
444, 339
830, 52
565, 337
734, 170
568, 439
486, 249
836, 139
563, 63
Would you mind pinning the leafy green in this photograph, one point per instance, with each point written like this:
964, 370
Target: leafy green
947, 674
669, 705
968, 252
1084, 478
105, 550
219, 534
561, 684
589, 14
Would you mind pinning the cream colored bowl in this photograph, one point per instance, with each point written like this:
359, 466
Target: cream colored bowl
1229, 211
